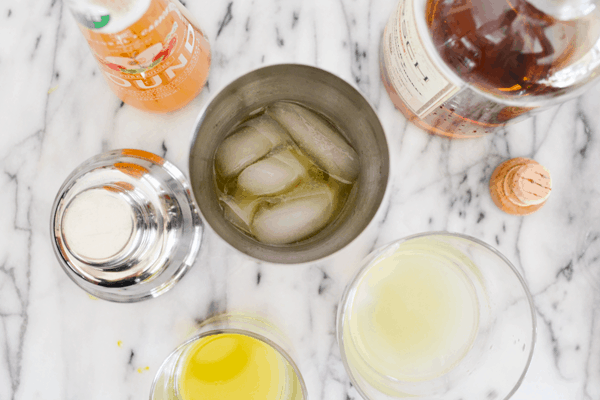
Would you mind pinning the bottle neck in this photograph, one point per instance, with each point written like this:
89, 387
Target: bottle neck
108, 16
565, 10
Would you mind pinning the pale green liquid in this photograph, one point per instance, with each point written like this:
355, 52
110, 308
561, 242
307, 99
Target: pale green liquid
413, 318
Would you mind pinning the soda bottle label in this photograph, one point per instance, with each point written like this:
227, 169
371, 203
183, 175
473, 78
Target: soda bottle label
418, 82
149, 59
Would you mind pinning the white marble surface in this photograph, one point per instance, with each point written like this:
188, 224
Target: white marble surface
58, 344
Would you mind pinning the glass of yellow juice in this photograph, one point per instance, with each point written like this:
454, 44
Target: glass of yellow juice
437, 316
233, 357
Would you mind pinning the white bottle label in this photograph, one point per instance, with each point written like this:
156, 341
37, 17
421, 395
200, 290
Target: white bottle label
420, 85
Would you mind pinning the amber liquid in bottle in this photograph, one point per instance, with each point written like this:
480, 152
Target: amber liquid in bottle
504, 48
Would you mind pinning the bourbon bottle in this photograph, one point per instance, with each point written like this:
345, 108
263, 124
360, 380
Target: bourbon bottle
466, 68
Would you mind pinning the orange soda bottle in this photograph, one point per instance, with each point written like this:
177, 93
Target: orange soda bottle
150, 53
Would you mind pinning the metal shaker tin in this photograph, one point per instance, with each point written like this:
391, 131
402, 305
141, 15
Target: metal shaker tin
316, 89
125, 226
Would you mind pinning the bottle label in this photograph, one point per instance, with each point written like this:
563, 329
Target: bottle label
150, 58
418, 82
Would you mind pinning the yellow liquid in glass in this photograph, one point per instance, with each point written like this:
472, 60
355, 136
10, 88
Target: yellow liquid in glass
236, 367
414, 316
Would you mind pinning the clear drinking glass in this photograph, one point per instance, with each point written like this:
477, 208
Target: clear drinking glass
437, 316
233, 356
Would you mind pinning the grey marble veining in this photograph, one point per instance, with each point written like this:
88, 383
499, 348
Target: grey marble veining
57, 111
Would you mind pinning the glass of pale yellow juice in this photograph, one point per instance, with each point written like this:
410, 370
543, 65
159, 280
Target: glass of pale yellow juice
436, 316
233, 357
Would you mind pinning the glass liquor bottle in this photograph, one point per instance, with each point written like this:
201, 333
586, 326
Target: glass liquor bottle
466, 68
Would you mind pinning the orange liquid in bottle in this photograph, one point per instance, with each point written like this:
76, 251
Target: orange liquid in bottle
159, 63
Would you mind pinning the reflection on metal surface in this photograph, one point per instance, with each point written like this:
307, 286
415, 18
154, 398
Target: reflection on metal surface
126, 228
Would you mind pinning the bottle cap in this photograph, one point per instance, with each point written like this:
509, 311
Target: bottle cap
520, 186
125, 226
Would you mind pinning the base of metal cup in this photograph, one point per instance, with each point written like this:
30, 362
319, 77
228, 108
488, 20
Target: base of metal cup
125, 226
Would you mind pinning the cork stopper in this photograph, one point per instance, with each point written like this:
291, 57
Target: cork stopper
520, 186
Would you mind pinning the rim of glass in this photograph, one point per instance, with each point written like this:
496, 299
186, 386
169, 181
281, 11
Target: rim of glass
344, 300
219, 331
